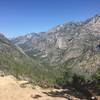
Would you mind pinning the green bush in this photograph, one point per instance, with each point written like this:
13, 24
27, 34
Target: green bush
66, 79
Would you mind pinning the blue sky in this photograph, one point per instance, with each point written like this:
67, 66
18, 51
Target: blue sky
18, 17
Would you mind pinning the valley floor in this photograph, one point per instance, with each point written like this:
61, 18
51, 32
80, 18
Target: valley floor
12, 89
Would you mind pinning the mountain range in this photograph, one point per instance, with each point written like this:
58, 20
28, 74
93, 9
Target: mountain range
72, 45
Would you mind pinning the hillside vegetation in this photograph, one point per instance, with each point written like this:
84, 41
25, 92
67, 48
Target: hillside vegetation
53, 58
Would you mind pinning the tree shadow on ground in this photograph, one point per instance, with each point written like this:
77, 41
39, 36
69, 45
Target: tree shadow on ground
66, 93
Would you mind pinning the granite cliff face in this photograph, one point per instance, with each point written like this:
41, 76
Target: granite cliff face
73, 43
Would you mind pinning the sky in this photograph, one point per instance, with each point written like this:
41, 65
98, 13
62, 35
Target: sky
19, 17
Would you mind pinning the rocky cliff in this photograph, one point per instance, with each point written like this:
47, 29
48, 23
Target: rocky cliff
76, 44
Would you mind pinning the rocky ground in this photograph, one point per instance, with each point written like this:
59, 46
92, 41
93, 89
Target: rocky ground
13, 89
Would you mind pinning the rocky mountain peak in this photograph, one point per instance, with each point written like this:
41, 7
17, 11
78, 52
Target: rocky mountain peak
73, 41
97, 16
93, 24
30, 35
95, 19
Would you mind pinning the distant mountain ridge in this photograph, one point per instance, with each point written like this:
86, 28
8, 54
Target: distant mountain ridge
46, 55
73, 43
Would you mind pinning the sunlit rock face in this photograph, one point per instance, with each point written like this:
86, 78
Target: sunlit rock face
73, 41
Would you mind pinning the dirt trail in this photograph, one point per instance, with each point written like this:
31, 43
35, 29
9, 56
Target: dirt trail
10, 89
13, 89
